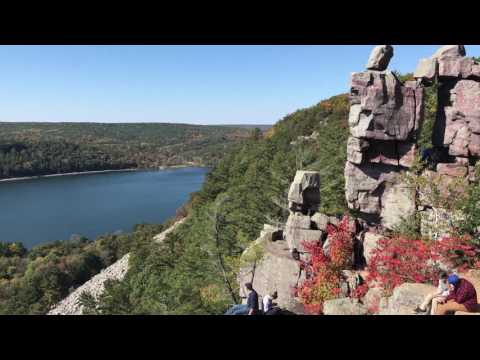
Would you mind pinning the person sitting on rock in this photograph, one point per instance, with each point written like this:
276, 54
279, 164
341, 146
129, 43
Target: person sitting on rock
269, 307
250, 308
437, 297
462, 297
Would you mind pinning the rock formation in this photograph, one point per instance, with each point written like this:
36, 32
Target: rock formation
303, 199
380, 57
456, 134
385, 118
345, 306
96, 285
275, 270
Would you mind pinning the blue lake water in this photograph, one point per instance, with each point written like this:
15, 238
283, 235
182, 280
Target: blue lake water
39, 210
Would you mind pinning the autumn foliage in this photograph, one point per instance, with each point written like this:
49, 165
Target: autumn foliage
323, 274
401, 260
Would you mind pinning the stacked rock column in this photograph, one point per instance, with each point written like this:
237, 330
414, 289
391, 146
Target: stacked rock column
303, 202
385, 119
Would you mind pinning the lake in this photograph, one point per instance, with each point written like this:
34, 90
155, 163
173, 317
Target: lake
39, 210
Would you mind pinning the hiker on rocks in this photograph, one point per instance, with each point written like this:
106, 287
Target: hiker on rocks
250, 308
462, 297
437, 297
269, 307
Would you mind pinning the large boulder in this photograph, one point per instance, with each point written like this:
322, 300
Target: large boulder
295, 237
450, 51
380, 57
427, 70
304, 193
384, 109
298, 221
405, 299
345, 306
275, 271
321, 221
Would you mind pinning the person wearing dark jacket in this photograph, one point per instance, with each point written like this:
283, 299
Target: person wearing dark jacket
250, 308
252, 301
462, 297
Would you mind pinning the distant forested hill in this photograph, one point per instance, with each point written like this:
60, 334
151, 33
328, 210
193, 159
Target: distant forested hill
29, 149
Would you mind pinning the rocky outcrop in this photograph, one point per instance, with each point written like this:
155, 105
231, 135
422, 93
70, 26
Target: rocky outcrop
405, 299
304, 199
385, 120
163, 235
276, 270
304, 192
345, 306
456, 133
95, 286
380, 57
385, 117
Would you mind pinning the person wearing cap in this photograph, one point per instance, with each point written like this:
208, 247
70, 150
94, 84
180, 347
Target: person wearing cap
432, 300
462, 297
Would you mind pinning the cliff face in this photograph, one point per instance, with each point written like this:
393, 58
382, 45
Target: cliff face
385, 120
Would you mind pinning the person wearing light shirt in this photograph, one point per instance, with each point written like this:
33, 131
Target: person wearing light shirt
437, 297
268, 305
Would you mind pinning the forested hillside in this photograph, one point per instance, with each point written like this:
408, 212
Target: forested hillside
194, 270
30, 149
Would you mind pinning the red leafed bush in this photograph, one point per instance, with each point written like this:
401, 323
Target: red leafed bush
323, 273
455, 252
360, 291
399, 260
341, 244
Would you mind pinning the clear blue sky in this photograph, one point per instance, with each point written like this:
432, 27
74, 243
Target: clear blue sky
187, 84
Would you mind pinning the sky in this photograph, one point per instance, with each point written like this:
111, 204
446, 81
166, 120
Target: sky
180, 84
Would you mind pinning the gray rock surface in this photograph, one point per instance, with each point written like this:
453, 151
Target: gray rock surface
406, 298
427, 69
398, 204
451, 51
304, 193
385, 118
95, 286
380, 57
276, 271
345, 306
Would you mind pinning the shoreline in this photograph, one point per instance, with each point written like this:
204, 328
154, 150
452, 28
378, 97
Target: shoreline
96, 172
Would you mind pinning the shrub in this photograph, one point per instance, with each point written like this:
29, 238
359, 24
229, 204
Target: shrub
401, 260
323, 274
341, 244
455, 252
